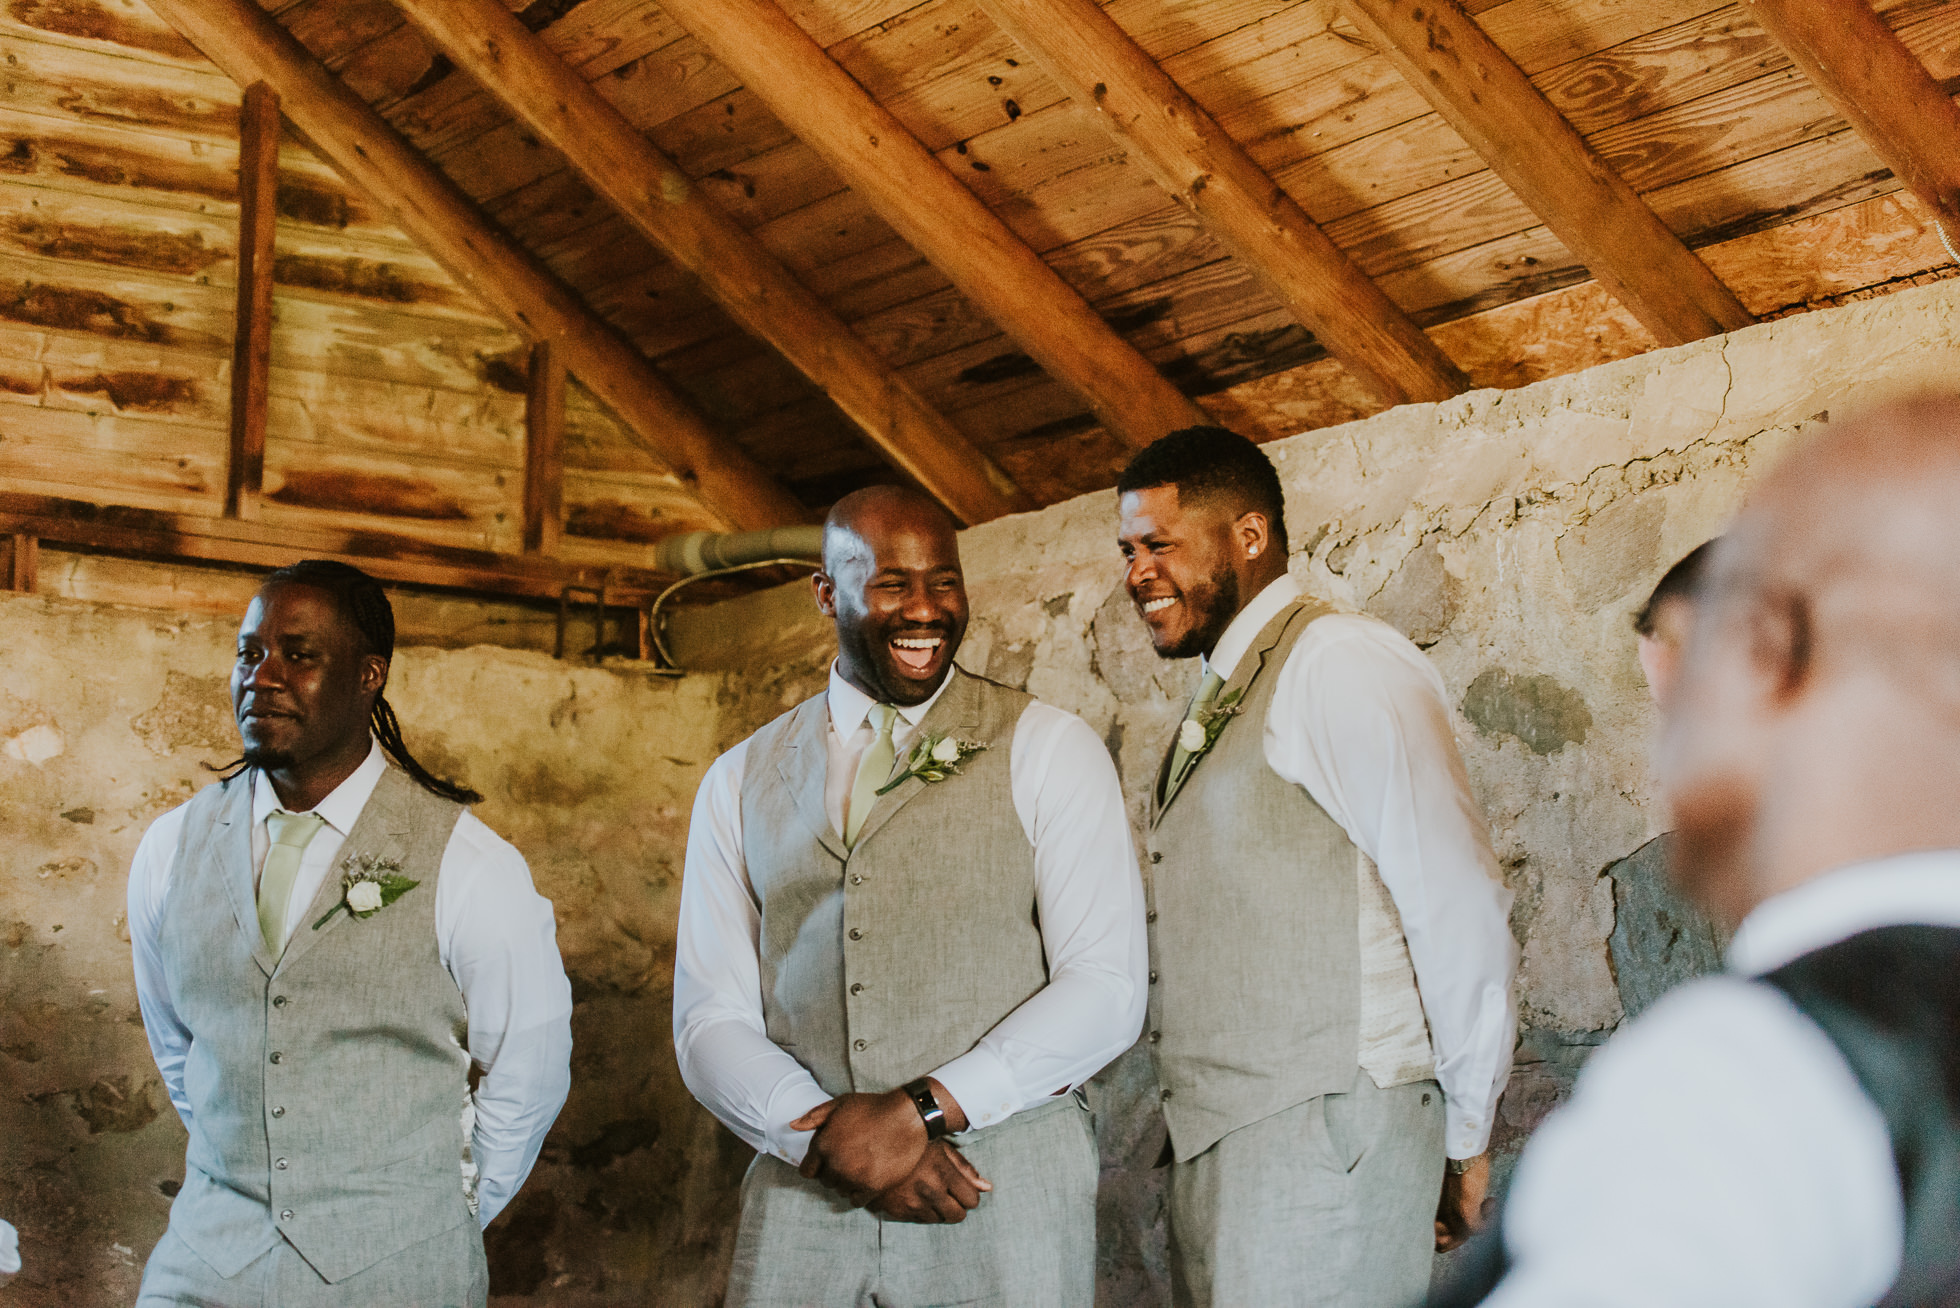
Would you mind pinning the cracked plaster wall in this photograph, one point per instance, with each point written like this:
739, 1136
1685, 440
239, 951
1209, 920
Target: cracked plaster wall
1511, 533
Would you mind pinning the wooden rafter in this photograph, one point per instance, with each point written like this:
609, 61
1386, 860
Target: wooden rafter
544, 452
157, 534
486, 40
251, 352
1487, 98
1854, 57
927, 206
241, 39
1193, 158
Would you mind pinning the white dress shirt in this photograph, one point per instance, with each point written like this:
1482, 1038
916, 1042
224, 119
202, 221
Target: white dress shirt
1360, 719
1090, 898
495, 935
1719, 1150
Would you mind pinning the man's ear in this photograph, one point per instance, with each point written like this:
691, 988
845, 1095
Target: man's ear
374, 674
826, 592
1252, 535
1781, 643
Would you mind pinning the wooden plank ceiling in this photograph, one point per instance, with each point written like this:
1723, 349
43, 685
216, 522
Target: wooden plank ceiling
1707, 178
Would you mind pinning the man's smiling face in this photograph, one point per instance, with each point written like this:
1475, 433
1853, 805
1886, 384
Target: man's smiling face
1178, 569
892, 582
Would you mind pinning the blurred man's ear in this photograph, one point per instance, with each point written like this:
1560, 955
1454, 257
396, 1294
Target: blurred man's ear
1781, 636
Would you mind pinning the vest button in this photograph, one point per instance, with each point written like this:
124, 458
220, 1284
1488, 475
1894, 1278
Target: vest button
859, 1045
856, 934
1155, 1036
1153, 981
279, 1112
1166, 1094
856, 880
1151, 916
285, 1214
280, 1164
857, 987
277, 1056
279, 1001
1156, 856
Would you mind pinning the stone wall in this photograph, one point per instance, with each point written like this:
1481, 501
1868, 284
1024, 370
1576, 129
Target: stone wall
1510, 533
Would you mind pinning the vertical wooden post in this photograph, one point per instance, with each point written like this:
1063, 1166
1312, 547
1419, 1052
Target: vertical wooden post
251, 349
23, 562
544, 452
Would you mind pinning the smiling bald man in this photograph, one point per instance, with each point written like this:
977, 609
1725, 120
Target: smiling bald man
911, 924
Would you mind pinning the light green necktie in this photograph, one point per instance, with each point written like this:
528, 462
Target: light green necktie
291, 833
874, 770
1200, 703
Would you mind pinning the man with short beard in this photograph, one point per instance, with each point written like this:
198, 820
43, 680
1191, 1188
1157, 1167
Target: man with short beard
911, 924
1331, 1008
1788, 1135
328, 946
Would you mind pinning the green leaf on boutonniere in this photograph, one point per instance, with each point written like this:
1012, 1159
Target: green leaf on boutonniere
368, 884
935, 758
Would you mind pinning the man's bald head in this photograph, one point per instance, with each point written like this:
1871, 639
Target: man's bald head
875, 511
1819, 716
891, 580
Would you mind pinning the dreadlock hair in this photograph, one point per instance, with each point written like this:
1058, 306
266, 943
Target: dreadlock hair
1677, 583
362, 601
1212, 463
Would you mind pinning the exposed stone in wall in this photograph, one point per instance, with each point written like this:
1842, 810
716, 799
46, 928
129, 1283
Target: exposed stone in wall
1513, 533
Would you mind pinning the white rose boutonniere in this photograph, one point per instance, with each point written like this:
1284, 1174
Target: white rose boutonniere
934, 758
1191, 736
1198, 734
368, 884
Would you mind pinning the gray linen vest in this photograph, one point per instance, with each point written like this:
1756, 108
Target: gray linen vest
889, 959
326, 1086
1254, 935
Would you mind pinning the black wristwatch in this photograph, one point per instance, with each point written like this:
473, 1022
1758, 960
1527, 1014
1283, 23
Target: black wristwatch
928, 1106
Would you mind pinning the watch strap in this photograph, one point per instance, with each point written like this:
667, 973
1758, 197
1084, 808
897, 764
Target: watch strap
928, 1105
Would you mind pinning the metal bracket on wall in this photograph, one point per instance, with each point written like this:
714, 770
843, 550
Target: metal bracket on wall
598, 594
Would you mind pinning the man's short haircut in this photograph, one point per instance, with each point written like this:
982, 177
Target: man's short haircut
1678, 583
1211, 464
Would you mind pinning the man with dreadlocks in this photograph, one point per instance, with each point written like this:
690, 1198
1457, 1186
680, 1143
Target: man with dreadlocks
326, 944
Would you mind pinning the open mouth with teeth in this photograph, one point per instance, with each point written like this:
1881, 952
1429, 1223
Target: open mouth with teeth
916, 654
1157, 605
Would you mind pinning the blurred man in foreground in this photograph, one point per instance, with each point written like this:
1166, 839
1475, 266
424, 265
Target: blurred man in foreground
1789, 1134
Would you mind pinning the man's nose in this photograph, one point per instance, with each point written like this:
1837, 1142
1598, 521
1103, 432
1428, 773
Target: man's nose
1142, 567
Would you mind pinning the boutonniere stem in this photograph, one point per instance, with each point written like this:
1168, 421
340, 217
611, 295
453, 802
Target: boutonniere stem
935, 758
368, 884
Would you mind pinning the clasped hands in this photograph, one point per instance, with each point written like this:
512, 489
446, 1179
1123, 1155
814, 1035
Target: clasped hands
872, 1149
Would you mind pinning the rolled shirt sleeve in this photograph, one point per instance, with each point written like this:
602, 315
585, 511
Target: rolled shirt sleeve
149, 882
1360, 719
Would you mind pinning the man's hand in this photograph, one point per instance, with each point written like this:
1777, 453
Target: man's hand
942, 1188
866, 1144
1466, 1205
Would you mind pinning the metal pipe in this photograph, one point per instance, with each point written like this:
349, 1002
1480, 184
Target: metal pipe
710, 551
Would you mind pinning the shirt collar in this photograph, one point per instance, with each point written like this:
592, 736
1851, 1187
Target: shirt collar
1252, 619
1920, 888
341, 807
849, 706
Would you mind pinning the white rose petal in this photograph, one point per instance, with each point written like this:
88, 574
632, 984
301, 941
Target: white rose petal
1191, 736
364, 896
946, 751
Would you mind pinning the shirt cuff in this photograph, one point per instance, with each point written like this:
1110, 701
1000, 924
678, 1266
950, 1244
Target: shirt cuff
779, 1140
1465, 1133
980, 1083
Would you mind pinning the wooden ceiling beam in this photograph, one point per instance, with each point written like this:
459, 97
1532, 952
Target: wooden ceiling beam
1882, 88
927, 206
1487, 98
151, 533
249, 46
652, 193
1190, 155
251, 345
